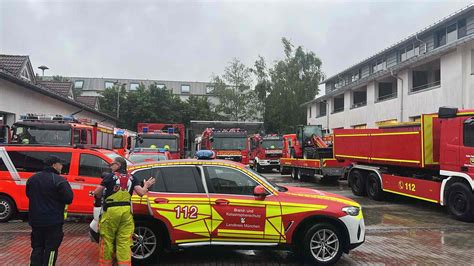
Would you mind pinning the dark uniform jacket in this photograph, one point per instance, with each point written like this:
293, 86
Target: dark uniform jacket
48, 193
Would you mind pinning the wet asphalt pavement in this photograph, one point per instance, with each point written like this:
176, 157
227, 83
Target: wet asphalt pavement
400, 231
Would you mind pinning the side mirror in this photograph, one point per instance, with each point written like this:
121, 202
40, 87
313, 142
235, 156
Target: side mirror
259, 192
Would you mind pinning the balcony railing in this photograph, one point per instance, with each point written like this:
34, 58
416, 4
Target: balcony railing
359, 104
426, 86
387, 97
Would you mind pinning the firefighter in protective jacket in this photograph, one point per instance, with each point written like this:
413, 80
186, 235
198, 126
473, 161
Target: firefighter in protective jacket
116, 225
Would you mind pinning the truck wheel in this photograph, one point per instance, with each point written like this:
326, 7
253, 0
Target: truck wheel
259, 168
357, 183
7, 209
374, 188
294, 173
300, 176
322, 244
461, 202
147, 243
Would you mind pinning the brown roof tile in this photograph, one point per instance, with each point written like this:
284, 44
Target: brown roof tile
12, 63
88, 100
61, 87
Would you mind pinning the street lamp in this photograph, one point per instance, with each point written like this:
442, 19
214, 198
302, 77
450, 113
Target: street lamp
119, 86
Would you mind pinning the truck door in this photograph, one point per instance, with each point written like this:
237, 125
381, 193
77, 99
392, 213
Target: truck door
467, 149
178, 198
237, 215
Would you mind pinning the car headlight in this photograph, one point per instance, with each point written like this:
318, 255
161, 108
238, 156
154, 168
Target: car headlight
351, 210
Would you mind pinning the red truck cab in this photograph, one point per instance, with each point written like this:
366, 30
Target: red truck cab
124, 141
162, 136
228, 144
265, 152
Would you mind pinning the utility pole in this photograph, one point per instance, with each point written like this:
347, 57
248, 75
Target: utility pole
119, 87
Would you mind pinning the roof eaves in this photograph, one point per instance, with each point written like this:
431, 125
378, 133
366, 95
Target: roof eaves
424, 30
6, 75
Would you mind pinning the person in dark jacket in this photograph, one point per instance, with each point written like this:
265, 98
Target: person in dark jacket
48, 194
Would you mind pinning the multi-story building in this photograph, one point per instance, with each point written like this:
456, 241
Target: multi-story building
93, 86
432, 68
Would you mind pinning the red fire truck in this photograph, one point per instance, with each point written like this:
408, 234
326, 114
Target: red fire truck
265, 152
124, 141
60, 130
167, 136
229, 144
431, 161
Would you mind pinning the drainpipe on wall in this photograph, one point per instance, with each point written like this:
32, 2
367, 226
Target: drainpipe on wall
424, 43
401, 94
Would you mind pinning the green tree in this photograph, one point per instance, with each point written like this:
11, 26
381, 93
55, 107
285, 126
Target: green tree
289, 83
237, 100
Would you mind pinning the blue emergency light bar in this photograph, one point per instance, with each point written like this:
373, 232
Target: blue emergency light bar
205, 155
145, 130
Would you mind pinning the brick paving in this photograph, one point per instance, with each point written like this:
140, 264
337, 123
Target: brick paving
399, 232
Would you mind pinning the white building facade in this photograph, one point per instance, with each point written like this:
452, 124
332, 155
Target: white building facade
433, 68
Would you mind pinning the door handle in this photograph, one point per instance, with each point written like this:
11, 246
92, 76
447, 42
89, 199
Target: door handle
79, 179
222, 202
161, 200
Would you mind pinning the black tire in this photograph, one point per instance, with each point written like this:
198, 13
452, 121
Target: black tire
461, 202
300, 176
333, 244
294, 173
7, 209
374, 188
259, 168
148, 233
357, 182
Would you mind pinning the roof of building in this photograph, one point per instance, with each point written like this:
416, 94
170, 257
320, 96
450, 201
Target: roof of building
49, 92
90, 101
13, 63
61, 87
421, 32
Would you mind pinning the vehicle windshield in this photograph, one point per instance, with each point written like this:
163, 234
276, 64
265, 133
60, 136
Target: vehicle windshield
118, 142
113, 155
3, 134
158, 143
140, 157
272, 144
46, 136
229, 143
313, 130
266, 181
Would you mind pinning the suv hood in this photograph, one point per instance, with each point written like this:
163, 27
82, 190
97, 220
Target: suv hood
308, 193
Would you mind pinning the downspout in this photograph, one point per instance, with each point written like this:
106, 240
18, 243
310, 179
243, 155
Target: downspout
424, 43
401, 94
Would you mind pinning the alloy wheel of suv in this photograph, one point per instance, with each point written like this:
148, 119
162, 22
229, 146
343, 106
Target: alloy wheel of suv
145, 243
323, 244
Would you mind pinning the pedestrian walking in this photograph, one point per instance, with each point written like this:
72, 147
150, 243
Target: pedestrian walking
48, 195
116, 225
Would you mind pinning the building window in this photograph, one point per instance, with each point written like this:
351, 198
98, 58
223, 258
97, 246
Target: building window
359, 97
450, 33
185, 89
109, 84
322, 109
340, 83
426, 76
386, 89
409, 51
78, 84
355, 76
361, 126
379, 65
160, 86
209, 89
338, 103
386, 122
134, 86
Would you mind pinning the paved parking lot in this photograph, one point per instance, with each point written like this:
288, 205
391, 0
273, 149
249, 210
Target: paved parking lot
399, 231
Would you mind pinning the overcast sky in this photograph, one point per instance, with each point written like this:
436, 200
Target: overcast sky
190, 40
